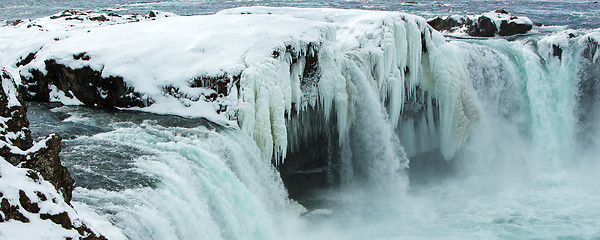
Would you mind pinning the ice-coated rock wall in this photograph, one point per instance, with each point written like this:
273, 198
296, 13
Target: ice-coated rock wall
260, 69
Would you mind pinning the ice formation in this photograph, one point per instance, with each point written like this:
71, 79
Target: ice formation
275, 62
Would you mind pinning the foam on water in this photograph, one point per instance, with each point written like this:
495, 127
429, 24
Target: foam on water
507, 114
210, 185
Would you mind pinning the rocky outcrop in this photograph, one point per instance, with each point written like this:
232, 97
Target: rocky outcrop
37, 176
490, 24
46, 161
17, 144
85, 84
14, 113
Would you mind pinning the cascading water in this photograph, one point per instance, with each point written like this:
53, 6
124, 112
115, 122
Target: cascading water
515, 120
184, 180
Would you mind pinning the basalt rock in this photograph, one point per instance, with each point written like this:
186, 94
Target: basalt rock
47, 162
446, 24
86, 84
15, 114
490, 24
483, 27
11, 212
42, 158
17, 145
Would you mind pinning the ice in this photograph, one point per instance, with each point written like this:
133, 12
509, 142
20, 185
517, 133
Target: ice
268, 48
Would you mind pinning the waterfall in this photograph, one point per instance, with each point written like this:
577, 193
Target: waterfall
205, 183
344, 112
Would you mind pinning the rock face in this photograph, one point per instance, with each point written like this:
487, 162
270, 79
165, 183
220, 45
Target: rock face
18, 148
12, 109
87, 85
47, 162
490, 24
36, 176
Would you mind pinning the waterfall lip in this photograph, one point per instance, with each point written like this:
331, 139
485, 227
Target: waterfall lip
252, 83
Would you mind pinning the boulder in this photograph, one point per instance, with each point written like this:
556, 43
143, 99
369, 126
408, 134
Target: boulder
446, 24
490, 24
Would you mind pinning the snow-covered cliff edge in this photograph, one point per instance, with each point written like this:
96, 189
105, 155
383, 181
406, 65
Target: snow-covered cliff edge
35, 189
257, 66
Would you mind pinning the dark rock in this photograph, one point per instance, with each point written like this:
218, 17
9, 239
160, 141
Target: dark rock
47, 162
81, 56
513, 28
14, 23
11, 212
483, 25
27, 60
151, 14
33, 175
86, 84
423, 43
17, 119
62, 218
100, 18
88, 234
27, 204
65, 13
41, 196
74, 18
445, 24
315, 164
44, 161
557, 51
483, 28
220, 83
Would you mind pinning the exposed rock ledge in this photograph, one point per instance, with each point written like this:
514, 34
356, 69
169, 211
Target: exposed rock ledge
490, 24
35, 186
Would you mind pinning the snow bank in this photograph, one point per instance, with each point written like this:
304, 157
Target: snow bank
403, 57
259, 66
29, 202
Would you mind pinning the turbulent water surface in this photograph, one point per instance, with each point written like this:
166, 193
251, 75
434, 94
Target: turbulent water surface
575, 13
529, 169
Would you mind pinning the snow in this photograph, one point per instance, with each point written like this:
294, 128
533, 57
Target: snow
10, 89
259, 44
497, 18
384, 44
13, 180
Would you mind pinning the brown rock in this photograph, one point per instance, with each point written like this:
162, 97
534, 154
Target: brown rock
47, 162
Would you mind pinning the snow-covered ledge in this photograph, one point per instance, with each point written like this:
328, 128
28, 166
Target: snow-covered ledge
253, 68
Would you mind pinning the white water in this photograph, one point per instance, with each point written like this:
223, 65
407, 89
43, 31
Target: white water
211, 185
507, 121
522, 174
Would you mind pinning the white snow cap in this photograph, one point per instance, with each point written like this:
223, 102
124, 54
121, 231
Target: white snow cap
261, 52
